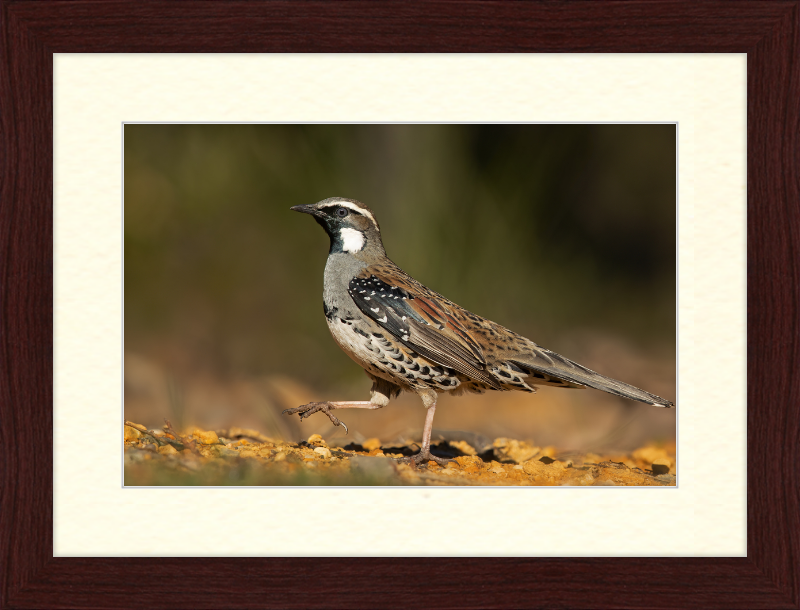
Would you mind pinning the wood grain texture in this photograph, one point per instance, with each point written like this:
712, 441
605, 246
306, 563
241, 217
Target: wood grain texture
32, 31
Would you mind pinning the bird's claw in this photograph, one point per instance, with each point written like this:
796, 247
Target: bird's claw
313, 407
425, 456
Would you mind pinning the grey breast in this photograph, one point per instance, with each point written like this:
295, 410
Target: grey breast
339, 270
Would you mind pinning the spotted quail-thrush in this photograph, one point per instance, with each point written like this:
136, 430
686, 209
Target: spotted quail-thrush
408, 337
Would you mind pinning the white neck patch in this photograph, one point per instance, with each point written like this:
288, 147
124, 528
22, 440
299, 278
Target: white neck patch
352, 240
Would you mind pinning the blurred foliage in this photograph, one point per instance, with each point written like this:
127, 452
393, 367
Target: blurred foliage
543, 228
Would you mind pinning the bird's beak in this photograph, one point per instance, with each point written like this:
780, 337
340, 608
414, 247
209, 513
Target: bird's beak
307, 209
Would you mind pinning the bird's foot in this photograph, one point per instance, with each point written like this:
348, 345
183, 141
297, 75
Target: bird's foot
424, 456
314, 407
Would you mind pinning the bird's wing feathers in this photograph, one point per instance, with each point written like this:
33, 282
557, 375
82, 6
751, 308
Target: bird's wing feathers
442, 332
401, 308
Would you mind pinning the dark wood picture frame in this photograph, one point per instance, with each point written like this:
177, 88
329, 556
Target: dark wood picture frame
32, 31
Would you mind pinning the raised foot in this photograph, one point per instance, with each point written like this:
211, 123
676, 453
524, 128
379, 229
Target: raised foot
423, 457
314, 407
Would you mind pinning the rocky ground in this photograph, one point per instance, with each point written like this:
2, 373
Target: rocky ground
245, 457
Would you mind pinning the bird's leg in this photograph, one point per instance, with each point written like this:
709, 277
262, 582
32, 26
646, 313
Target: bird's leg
327, 407
425, 454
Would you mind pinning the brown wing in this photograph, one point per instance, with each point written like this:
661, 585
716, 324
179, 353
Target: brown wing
423, 323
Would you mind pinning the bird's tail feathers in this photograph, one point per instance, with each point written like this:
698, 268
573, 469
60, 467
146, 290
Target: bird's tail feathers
554, 365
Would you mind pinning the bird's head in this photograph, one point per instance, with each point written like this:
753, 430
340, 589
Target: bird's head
350, 224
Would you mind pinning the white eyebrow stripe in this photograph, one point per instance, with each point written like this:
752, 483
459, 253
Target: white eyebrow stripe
351, 206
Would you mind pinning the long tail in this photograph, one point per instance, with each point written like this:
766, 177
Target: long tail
554, 365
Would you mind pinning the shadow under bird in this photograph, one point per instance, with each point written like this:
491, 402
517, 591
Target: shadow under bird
408, 337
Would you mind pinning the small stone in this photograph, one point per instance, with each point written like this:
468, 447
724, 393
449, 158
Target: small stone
371, 444
247, 453
206, 437
656, 458
167, 450
225, 452
280, 456
661, 466
315, 439
464, 447
467, 461
535, 467
585, 479
510, 450
206, 451
132, 434
496, 467
323, 451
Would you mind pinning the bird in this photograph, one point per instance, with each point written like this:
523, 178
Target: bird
409, 338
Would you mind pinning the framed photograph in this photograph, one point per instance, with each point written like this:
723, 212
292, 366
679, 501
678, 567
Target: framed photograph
565, 232
167, 540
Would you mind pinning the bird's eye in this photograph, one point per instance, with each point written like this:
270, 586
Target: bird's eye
341, 212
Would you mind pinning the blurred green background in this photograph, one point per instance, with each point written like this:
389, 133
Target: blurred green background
564, 233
